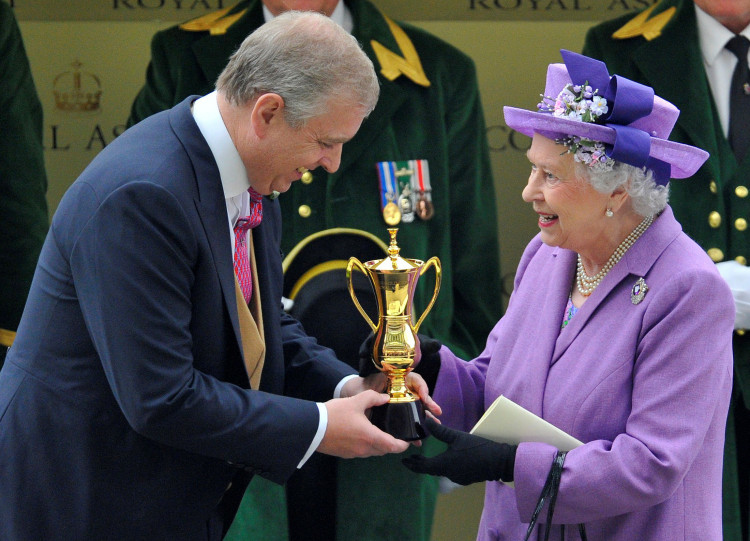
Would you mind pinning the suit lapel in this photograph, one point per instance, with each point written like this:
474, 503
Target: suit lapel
369, 24
635, 263
210, 205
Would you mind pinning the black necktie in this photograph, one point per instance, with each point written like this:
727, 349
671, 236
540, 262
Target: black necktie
739, 98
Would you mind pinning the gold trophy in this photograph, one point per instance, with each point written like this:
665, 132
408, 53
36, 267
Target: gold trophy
394, 280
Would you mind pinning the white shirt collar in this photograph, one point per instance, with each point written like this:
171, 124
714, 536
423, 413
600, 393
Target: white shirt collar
233, 174
341, 16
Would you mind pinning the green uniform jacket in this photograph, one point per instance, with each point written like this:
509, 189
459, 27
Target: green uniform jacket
443, 124
23, 182
713, 206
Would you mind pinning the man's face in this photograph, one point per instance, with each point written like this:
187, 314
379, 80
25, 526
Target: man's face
733, 14
278, 7
279, 157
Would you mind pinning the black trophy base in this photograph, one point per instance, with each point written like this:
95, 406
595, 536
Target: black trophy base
402, 420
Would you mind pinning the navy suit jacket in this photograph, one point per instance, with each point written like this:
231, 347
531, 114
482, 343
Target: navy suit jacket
125, 411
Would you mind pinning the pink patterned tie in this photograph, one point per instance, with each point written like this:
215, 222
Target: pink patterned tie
241, 257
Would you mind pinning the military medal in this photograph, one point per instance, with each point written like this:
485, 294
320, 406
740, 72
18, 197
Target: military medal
406, 186
404, 175
425, 209
391, 212
387, 176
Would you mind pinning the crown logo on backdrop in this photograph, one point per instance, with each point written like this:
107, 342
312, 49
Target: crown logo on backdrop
77, 91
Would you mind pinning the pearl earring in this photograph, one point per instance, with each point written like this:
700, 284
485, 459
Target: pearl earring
609, 213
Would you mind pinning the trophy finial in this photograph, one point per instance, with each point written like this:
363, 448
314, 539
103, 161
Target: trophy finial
393, 249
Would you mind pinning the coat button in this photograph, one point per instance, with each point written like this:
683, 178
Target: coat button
740, 224
715, 254
307, 177
714, 219
712, 187
741, 259
741, 191
304, 211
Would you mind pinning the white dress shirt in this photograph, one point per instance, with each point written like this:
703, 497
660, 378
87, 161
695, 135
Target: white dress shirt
235, 183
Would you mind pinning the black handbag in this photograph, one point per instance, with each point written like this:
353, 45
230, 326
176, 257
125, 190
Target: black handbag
549, 494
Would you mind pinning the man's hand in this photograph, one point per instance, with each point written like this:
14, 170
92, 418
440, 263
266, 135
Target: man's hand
376, 382
350, 434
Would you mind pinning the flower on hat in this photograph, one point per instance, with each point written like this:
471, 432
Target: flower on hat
581, 103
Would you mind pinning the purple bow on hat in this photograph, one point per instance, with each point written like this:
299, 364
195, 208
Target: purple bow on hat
615, 120
628, 101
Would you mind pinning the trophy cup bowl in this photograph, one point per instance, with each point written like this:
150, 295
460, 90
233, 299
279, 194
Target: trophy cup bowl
394, 280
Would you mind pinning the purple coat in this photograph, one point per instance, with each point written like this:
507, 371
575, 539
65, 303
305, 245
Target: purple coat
645, 386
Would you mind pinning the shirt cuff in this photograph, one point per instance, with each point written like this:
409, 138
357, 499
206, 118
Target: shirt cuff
322, 425
337, 390
323, 422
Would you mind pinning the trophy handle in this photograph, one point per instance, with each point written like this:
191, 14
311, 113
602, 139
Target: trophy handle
432, 262
354, 262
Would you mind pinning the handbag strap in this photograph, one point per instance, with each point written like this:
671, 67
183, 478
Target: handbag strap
549, 493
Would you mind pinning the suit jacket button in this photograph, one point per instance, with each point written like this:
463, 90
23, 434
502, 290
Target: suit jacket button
714, 219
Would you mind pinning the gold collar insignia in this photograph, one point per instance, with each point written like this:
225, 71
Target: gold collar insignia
641, 25
393, 65
216, 22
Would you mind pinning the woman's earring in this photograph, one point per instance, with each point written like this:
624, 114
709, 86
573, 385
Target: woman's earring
609, 213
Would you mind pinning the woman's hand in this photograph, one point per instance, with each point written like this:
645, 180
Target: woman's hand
468, 459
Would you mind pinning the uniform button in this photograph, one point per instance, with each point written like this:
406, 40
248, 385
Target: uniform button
712, 187
741, 191
714, 219
740, 224
304, 211
307, 177
741, 260
715, 254
740, 332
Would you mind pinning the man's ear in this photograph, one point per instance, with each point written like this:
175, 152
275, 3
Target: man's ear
267, 112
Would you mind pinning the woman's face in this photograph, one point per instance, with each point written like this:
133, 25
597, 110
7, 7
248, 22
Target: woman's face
571, 212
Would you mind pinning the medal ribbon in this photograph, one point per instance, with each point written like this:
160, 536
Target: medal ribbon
387, 176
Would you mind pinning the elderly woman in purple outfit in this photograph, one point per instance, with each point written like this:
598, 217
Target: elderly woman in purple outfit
618, 332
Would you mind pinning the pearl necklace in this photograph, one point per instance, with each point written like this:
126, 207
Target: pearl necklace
587, 284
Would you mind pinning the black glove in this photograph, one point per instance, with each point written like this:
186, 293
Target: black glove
468, 459
428, 365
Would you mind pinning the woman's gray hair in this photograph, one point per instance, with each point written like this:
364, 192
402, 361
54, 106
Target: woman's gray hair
648, 197
308, 60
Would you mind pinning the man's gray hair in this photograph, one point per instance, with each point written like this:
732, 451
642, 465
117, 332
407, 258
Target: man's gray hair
308, 60
648, 197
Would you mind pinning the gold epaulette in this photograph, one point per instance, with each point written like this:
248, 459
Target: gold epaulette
393, 65
6, 338
641, 25
215, 23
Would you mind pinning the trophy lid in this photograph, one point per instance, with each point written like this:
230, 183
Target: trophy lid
395, 262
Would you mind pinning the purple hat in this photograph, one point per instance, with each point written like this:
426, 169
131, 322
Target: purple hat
603, 119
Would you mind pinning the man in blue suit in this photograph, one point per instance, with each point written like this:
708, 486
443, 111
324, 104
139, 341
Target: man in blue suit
130, 406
